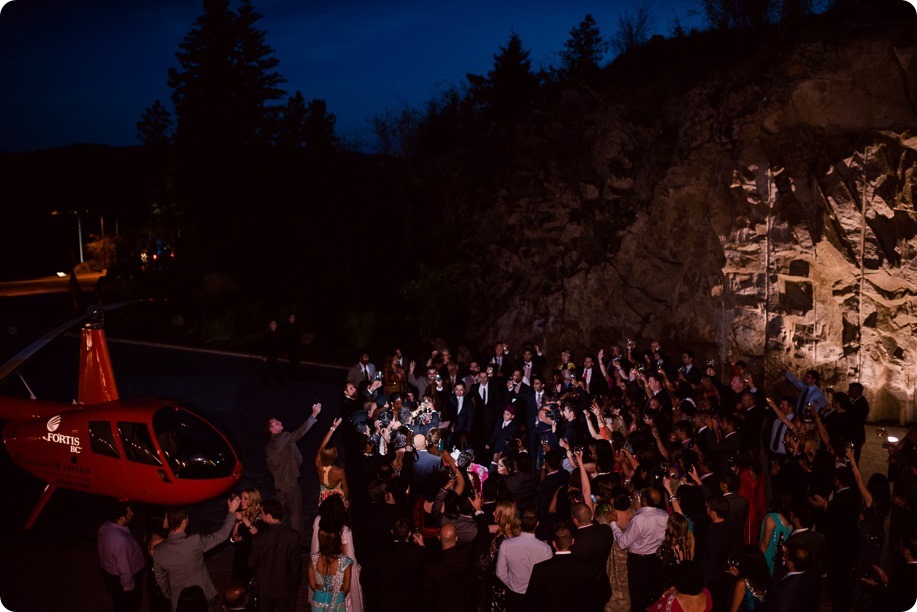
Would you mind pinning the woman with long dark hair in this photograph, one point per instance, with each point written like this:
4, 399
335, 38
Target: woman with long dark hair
330, 574
753, 580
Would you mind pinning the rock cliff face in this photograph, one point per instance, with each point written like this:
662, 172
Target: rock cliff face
781, 224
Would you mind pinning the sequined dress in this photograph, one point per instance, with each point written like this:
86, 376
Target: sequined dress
330, 598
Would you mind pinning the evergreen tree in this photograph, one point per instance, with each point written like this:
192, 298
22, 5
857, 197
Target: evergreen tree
292, 125
223, 90
583, 51
508, 89
155, 126
319, 128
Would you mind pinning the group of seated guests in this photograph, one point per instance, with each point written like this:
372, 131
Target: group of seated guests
625, 483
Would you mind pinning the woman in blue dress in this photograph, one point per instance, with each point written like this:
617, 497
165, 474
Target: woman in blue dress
752, 582
329, 573
776, 524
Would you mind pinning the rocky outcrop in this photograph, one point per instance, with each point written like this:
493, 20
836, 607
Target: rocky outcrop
781, 225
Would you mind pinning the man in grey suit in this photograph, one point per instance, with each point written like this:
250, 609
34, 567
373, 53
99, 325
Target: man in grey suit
361, 371
178, 562
284, 461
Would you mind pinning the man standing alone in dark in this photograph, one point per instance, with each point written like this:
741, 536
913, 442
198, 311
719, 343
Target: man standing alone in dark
121, 559
284, 461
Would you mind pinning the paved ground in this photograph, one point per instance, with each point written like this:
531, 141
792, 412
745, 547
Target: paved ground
54, 566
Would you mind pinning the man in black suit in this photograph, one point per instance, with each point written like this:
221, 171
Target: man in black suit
555, 477
503, 432
738, 506
838, 523
460, 409
802, 517
713, 552
449, 582
276, 557
797, 590
859, 409
488, 405
592, 378
592, 544
372, 526
564, 568
522, 396
384, 575
501, 362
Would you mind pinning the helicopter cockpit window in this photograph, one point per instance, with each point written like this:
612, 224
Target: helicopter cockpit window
101, 440
138, 445
193, 448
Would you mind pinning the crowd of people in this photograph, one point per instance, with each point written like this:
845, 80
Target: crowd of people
625, 480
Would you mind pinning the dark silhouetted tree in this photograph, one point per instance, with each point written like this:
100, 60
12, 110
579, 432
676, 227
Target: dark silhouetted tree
583, 51
319, 128
508, 89
223, 90
291, 132
155, 126
731, 14
634, 30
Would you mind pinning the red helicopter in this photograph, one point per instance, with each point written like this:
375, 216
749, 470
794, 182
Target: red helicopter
143, 450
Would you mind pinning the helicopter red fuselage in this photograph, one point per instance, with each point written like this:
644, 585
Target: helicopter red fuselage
142, 449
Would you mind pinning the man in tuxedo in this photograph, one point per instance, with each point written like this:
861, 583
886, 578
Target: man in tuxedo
532, 363
522, 396
797, 590
361, 371
501, 361
488, 405
592, 378
460, 411
503, 432
592, 543
575, 574
276, 557
802, 517
689, 372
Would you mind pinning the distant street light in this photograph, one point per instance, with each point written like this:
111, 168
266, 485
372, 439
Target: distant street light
79, 226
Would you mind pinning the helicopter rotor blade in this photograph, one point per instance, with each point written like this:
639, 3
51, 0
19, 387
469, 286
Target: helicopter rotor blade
92, 312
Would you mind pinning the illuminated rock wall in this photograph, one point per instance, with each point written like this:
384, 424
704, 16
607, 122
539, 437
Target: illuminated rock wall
784, 229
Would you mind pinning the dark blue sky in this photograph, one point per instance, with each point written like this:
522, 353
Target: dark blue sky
84, 70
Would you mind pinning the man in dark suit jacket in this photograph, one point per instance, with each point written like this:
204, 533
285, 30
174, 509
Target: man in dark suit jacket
838, 523
555, 478
798, 589
802, 517
564, 568
449, 581
592, 543
592, 378
713, 552
738, 506
460, 409
501, 361
522, 396
425, 464
276, 557
384, 574
503, 432
487, 395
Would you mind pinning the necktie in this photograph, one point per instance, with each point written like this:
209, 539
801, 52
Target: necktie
801, 406
365, 373
459, 411
775, 443
538, 400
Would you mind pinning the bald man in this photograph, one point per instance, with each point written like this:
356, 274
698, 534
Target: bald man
425, 464
449, 583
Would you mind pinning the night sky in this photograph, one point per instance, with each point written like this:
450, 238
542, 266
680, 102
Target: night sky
83, 71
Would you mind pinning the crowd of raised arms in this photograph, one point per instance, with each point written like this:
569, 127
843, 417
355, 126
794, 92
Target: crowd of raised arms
629, 479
